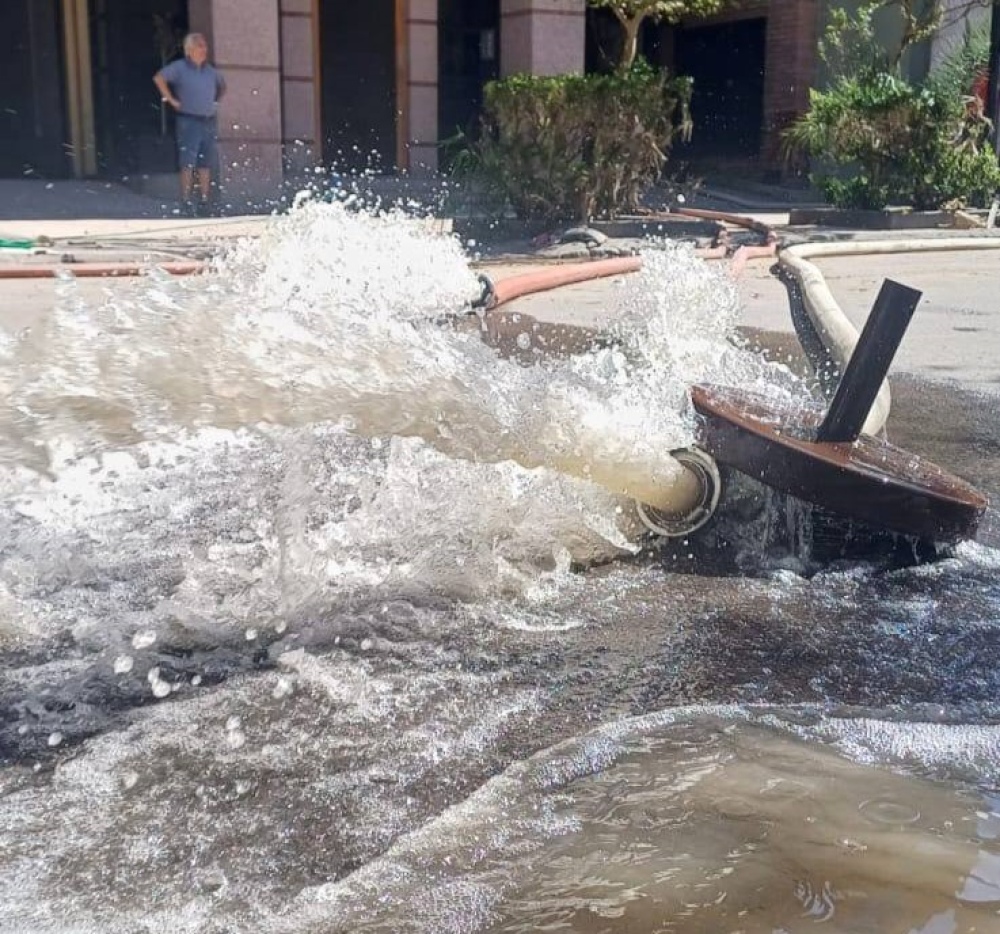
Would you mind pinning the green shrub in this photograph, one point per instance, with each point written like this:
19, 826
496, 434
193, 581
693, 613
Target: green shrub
572, 147
953, 77
896, 143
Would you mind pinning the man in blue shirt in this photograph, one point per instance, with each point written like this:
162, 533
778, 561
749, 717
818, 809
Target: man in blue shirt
194, 88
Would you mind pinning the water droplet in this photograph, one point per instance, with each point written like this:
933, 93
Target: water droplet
366, 645
888, 811
280, 626
143, 639
160, 688
129, 780
123, 664
55, 739
235, 739
524, 340
196, 680
282, 688
251, 635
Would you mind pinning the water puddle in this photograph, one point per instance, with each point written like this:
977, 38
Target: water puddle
726, 826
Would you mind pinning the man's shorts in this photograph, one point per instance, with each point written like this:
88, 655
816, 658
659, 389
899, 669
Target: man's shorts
196, 141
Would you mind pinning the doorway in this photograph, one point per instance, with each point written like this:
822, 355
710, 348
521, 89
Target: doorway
726, 62
468, 57
358, 84
32, 96
130, 41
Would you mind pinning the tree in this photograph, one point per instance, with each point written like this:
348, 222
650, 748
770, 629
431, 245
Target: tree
631, 14
850, 44
891, 140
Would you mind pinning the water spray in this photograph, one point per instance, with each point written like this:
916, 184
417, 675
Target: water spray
834, 460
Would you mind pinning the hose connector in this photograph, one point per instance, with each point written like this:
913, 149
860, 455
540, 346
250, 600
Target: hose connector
708, 483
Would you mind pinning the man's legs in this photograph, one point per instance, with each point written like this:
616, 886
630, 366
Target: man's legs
205, 184
208, 157
187, 180
187, 152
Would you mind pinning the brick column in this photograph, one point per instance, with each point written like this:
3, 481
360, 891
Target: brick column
542, 37
245, 45
792, 38
419, 111
300, 131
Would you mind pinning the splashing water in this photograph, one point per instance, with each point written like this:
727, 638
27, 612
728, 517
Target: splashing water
331, 316
324, 332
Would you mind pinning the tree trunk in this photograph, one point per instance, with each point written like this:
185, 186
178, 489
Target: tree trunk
630, 44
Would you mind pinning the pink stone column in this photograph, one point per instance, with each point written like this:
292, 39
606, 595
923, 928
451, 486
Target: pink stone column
245, 39
299, 80
542, 37
419, 113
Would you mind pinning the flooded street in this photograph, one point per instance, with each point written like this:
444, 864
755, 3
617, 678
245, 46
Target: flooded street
317, 616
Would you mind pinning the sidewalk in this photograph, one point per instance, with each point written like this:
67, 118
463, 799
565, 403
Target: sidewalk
31, 199
104, 205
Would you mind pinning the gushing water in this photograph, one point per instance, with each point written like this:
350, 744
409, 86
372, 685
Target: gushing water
326, 331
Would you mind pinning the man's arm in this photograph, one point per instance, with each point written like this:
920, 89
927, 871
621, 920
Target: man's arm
164, 88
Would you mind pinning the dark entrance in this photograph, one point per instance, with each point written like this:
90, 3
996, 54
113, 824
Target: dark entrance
358, 69
726, 62
130, 41
32, 111
468, 57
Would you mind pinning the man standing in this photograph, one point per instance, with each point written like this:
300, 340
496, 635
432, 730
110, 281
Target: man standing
194, 88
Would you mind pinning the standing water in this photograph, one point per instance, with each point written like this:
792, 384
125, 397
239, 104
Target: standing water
312, 621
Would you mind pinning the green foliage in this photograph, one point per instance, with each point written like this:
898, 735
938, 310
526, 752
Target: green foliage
891, 141
631, 14
901, 143
953, 77
850, 45
571, 147
670, 10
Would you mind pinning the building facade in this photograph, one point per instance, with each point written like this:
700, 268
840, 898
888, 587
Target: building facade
375, 85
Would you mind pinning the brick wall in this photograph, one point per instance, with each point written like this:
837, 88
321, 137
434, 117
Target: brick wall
792, 38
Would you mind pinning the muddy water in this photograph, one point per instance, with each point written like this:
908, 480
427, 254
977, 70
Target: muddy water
297, 676
715, 825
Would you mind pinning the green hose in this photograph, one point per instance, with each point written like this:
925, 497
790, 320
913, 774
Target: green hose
16, 244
